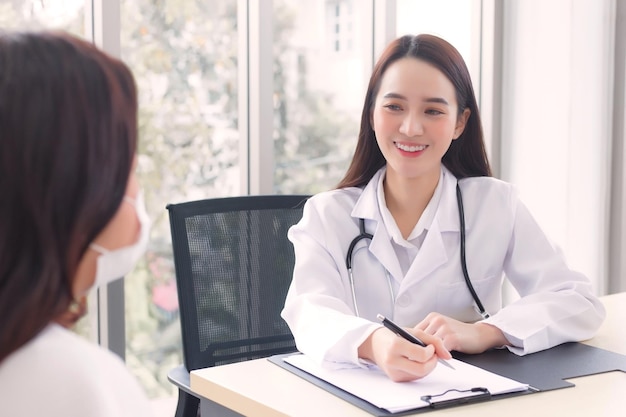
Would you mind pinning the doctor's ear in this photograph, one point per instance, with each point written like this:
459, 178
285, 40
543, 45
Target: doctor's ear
461, 122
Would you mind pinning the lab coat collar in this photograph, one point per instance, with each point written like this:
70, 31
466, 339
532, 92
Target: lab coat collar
447, 214
366, 206
433, 253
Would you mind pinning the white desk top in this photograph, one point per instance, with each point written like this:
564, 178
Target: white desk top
261, 388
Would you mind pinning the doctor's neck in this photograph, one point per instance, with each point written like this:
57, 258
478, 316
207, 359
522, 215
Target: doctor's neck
406, 198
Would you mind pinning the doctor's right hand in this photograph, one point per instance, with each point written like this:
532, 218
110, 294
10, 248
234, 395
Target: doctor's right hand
400, 359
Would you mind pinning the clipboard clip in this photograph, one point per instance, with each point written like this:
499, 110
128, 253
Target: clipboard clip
476, 394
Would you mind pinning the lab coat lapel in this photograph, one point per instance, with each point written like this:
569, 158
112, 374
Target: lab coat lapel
380, 247
433, 252
431, 255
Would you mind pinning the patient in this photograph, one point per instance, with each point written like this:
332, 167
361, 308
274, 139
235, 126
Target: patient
72, 219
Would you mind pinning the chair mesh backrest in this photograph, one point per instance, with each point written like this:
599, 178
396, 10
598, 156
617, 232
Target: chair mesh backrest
233, 265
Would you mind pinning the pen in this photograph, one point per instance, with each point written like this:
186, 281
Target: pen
406, 335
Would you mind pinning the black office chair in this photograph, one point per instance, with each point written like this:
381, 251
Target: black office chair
233, 265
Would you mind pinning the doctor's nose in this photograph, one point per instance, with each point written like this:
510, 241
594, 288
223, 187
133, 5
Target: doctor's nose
412, 126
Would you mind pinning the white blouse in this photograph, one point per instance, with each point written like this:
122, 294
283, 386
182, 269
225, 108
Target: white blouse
60, 374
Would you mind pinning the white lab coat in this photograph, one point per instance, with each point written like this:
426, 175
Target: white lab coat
502, 239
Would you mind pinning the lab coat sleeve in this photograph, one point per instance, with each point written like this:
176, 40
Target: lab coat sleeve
556, 304
317, 308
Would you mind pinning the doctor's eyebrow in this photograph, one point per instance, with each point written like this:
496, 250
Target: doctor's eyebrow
439, 100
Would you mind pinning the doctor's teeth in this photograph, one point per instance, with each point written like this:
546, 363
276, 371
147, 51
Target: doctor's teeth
407, 148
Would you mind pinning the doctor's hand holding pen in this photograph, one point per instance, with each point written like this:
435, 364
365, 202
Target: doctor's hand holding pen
401, 359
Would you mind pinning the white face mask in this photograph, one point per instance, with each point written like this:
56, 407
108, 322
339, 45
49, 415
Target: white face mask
114, 264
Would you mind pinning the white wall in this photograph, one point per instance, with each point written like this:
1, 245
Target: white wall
557, 116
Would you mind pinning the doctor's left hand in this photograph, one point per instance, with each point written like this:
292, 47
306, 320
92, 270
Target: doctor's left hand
462, 337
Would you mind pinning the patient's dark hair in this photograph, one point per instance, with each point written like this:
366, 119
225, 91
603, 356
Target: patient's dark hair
68, 137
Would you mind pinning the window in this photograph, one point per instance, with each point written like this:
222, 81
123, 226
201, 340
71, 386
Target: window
338, 21
32, 14
449, 19
315, 131
184, 58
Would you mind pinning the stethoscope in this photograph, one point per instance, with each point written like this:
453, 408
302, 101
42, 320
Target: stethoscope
364, 235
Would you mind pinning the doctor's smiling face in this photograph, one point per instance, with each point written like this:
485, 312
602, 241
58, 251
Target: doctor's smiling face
415, 118
419, 112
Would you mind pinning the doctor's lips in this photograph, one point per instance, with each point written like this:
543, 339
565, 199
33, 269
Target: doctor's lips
410, 148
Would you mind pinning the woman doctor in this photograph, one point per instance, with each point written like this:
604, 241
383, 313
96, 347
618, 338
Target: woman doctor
420, 136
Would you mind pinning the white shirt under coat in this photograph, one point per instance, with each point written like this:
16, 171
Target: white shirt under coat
557, 304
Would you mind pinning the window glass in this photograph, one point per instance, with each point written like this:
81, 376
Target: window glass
184, 57
36, 14
320, 75
449, 19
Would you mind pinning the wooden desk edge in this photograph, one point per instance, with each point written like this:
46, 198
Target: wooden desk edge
231, 399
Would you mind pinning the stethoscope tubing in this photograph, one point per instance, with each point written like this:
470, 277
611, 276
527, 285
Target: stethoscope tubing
468, 282
362, 235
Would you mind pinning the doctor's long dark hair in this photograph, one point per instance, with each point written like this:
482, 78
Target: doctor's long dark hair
466, 156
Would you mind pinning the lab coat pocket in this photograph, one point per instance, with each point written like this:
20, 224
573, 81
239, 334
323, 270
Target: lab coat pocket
455, 300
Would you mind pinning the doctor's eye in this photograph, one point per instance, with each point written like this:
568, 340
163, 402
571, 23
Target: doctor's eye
393, 107
434, 112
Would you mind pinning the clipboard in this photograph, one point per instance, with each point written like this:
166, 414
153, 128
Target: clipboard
372, 391
543, 371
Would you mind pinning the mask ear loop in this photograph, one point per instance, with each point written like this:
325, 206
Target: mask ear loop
101, 250
468, 282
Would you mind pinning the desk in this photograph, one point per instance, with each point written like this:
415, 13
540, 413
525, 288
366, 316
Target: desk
261, 388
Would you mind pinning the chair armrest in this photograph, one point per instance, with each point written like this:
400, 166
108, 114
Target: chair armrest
179, 376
